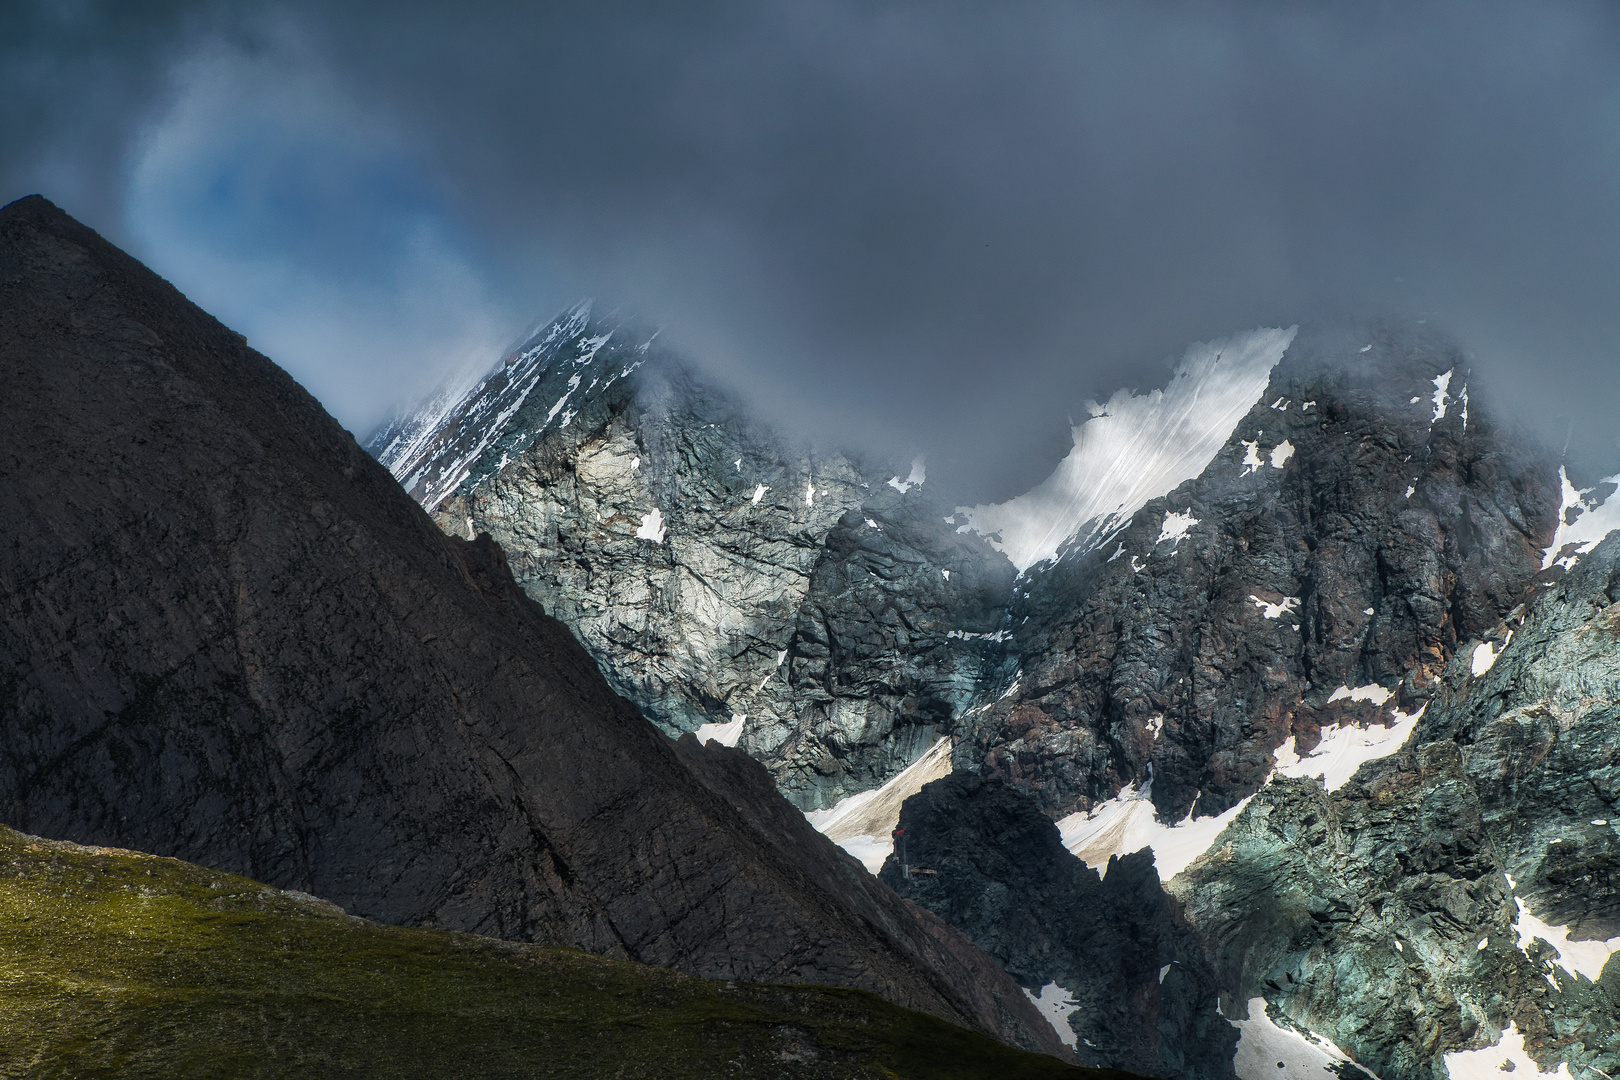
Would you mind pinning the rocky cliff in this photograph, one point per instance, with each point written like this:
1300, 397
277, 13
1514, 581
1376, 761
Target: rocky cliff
814, 607
1360, 521
1112, 949
1458, 896
1201, 654
227, 635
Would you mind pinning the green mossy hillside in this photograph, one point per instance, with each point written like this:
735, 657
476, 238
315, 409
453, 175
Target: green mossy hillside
119, 964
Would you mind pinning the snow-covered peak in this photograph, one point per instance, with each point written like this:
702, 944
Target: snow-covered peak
1135, 449
472, 427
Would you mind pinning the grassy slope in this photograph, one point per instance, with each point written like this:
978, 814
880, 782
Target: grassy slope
114, 963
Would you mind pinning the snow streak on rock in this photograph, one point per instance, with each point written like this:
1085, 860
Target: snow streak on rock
433, 450
1135, 449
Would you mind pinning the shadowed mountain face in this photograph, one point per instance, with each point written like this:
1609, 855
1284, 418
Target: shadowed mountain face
1115, 943
227, 635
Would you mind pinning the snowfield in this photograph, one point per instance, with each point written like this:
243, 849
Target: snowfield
863, 823
1135, 449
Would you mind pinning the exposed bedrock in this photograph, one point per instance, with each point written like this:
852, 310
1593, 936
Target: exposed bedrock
1364, 518
1462, 888
715, 572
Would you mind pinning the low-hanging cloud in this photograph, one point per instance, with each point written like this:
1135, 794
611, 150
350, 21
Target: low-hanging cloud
917, 226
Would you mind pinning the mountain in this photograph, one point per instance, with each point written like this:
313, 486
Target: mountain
119, 963
1451, 907
1247, 586
810, 607
227, 635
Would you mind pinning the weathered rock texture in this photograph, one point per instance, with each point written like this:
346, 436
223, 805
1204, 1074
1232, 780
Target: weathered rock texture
993, 865
712, 570
1383, 914
227, 635
1343, 537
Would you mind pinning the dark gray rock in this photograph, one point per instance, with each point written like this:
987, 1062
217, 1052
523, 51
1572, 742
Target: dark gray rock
228, 636
1387, 536
992, 865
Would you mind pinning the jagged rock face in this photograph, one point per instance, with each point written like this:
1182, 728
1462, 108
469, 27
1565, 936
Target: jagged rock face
714, 572
227, 635
1389, 915
995, 868
1344, 536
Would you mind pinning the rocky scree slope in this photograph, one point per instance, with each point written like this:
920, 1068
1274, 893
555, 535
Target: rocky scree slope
814, 606
1362, 519
120, 963
1459, 895
227, 635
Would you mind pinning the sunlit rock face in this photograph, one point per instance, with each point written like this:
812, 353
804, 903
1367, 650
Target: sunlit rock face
717, 574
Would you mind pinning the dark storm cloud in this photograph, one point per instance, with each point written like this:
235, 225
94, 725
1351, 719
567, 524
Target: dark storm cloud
919, 226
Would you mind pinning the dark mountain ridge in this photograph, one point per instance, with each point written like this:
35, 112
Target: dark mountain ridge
228, 636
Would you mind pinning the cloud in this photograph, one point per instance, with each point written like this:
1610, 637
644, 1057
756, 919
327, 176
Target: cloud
925, 227
303, 220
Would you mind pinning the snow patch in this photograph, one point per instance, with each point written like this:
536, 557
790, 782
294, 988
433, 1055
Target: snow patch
917, 475
870, 524
759, 493
1251, 456
1344, 748
1442, 384
1281, 453
1583, 520
1128, 823
1576, 957
1055, 1004
1410, 488
809, 493
652, 526
635, 463
1504, 1059
1117, 553
1485, 655
862, 824
724, 734
1268, 1052
1135, 449
1371, 692
1175, 527
1275, 611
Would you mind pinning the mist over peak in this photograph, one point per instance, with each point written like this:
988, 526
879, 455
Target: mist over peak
931, 229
